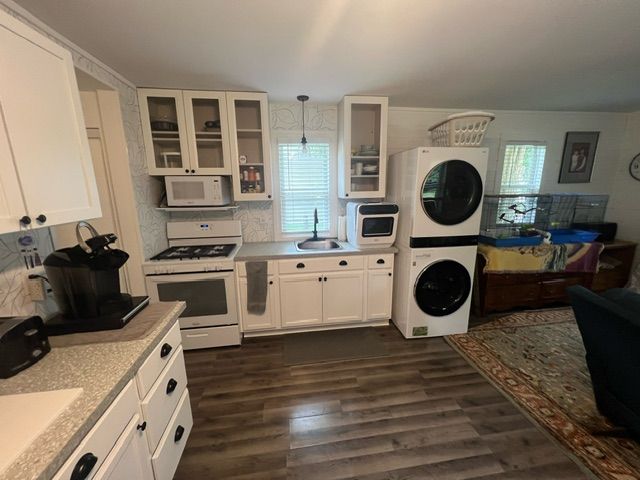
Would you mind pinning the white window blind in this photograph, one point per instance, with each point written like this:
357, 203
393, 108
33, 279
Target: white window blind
521, 174
305, 184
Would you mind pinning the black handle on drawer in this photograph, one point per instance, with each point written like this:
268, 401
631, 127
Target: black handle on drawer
179, 433
389, 273
165, 350
84, 466
41, 218
380, 261
325, 279
319, 279
142, 427
300, 265
171, 385
270, 282
343, 263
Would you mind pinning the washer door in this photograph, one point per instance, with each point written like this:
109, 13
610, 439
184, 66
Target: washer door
451, 192
442, 288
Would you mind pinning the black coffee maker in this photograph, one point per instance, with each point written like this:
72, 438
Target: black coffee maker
85, 280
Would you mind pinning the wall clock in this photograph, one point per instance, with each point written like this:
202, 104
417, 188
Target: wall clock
634, 167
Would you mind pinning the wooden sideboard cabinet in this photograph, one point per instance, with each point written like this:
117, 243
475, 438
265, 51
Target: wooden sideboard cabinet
496, 292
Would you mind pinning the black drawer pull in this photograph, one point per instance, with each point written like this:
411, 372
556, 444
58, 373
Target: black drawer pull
380, 261
319, 279
41, 218
26, 220
165, 350
142, 427
179, 433
300, 265
389, 273
84, 466
325, 279
343, 263
171, 385
270, 282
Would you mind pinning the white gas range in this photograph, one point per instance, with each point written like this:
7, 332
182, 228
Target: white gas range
198, 269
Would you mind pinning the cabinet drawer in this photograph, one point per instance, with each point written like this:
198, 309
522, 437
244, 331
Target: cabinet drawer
166, 457
97, 444
159, 358
513, 295
209, 337
310, 265
380, 261
272, 268
557, 288
163, 397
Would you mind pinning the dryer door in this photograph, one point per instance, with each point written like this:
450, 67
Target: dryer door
451, 192
442, 288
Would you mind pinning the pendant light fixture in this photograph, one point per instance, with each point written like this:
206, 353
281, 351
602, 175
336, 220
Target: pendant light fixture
303, 140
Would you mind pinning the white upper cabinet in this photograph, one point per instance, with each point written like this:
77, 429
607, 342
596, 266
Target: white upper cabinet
362, 146
47, 173
250, 145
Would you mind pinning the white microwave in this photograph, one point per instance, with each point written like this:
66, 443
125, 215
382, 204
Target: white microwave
197, 191
371, 224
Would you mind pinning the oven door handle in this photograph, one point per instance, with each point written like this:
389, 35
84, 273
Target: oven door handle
190, 277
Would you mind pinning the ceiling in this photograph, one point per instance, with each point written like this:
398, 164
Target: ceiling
492, 54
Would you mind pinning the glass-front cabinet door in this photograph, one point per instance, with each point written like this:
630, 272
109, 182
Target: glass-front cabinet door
164, 131
363, 150
250, 146
208, 132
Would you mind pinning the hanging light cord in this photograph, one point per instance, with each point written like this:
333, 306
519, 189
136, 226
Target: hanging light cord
303, 140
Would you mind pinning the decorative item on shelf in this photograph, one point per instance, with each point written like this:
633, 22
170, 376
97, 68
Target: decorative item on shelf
164, 125
368, 151
578, 156
242, 159
303, 140
212, 124
461, 129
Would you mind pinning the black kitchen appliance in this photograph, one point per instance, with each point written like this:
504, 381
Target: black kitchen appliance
23, 342
85, 281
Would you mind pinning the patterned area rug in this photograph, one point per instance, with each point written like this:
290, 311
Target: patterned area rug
537, 358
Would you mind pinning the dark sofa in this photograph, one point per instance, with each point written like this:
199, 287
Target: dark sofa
610, 328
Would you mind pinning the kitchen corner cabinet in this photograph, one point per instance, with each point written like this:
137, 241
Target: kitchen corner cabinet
250, 145
47, 174
185, 132
142, 434
362, 146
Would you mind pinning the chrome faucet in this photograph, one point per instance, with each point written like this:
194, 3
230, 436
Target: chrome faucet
315, 224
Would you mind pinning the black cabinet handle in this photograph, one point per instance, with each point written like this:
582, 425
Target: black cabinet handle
165, 350
346, 194
142, 427
186, 170
193, 171
84, 466
300, 265
319, 279
270, 282
179, 433
41, 218
268, 196
325, 279
389, 273
26, 220
380, 261
171, 385
343, 263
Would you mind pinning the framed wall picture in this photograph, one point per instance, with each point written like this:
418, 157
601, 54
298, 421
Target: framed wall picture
578, 156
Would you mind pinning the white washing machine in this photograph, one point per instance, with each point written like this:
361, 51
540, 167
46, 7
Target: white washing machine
439, 189
432, 291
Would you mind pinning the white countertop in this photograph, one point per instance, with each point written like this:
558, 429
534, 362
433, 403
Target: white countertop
277, 250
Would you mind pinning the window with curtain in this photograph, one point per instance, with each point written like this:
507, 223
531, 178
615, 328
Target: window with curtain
521, 173
305, 184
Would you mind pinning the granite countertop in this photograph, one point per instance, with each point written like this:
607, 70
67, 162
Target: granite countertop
101, 370
280, 250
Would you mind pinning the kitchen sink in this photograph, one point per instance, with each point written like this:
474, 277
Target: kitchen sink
317, 244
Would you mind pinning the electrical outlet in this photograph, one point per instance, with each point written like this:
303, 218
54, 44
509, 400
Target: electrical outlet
35, 289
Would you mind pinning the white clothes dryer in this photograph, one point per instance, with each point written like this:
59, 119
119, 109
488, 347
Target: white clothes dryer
432, 290
439, 190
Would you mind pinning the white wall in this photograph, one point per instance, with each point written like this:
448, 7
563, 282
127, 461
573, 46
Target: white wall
408, 128
624, 205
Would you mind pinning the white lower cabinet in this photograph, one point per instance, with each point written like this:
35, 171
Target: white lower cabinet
142, 434
310, 292
270, 319
342, 297
301, 299
379, 294
129, 457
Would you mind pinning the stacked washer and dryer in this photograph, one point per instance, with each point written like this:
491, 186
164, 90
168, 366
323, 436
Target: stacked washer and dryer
439, 191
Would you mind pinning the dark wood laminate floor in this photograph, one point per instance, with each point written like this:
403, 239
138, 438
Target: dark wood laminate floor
420, 413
